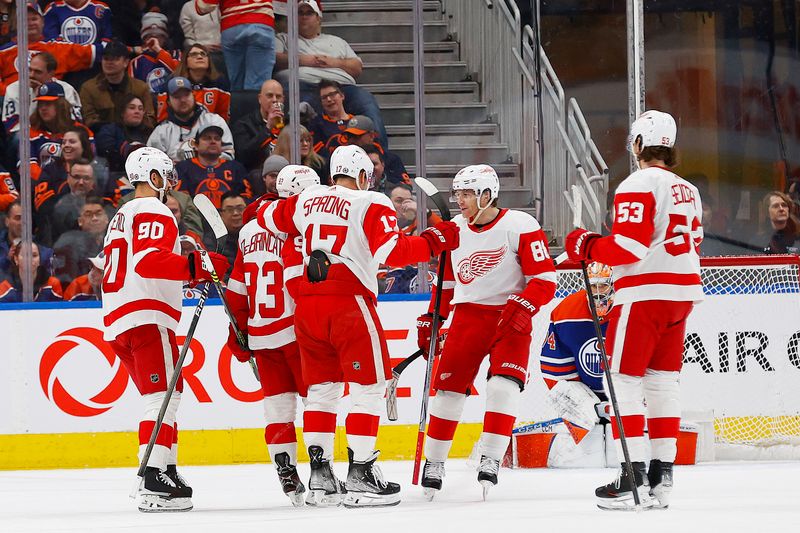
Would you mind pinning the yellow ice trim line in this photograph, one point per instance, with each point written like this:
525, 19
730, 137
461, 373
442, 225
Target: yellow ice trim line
197, 447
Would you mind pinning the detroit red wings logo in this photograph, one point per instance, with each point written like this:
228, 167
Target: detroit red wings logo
479, 264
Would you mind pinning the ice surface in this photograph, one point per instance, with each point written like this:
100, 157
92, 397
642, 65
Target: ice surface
730, 497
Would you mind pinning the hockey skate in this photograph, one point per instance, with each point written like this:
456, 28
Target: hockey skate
180, 482
618, 495
290, 481
660, 477
487, 474
432, 475
366, 486
324, 489
158, 493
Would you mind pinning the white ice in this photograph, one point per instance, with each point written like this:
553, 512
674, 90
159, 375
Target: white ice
731, 497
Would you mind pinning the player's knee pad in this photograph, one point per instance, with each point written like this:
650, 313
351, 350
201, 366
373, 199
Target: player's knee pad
367, 399
662, 392
280, 408
324, 396
502, 395
629, 393
448, 405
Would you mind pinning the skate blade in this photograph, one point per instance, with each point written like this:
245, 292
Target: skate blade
297, 498
626, 503
153, 503
370, 499
429, 493
486, 485
318, 498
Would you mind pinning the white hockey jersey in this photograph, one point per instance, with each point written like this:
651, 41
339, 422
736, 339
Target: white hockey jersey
140, 227
258, 283
655, 241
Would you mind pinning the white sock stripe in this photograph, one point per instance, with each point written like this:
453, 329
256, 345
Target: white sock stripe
374, 338
493, 445
502, 396
619, 337
281, 408
166, 349
437, 450
448, 405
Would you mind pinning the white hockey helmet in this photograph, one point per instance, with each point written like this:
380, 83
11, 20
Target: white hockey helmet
656, 128
600, 278
294, 179
478, 178
143, 161
350, 160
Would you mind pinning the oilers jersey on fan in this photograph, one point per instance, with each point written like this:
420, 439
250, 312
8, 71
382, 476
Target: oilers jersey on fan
570, 350
89, 24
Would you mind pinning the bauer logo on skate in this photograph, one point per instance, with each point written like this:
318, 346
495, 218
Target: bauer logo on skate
479, 264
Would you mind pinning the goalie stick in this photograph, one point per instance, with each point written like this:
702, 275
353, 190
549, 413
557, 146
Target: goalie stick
433, 193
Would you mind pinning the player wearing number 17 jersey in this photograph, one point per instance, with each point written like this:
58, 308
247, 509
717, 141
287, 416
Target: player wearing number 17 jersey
497, 279
654, 247
348, 232
143, 280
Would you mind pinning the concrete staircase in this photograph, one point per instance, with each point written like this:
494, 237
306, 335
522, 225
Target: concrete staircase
459, 130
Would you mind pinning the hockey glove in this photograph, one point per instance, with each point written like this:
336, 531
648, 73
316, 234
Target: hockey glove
199, 273
242, 354
442, 237
517, 316
424, 332
578, 244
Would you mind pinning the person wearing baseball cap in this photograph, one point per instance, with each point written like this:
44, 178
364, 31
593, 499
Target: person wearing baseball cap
49, 92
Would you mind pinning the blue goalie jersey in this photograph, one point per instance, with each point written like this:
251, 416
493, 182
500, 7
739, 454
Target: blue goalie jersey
570, 350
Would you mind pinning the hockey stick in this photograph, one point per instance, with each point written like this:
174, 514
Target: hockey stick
391, 387
598, 331
211, 215
433, 193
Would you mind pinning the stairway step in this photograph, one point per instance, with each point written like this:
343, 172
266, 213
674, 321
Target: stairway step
369, 32
438, 92
396, 72
456, 113
465, 155
442, 175
404, 52
445, 134
388, 11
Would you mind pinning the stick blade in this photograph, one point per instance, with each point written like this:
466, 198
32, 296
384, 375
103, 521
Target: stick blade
425, 184
433, 193
211, 215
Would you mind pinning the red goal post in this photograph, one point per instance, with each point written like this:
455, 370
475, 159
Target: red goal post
741, 356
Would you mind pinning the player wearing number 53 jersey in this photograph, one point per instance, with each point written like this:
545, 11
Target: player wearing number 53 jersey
654, 247
500, 275
347, 232
143, 280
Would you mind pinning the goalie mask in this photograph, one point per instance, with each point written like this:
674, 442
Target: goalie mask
350, 160
143, 162
479, 179
600, 278
655, 128
294, 179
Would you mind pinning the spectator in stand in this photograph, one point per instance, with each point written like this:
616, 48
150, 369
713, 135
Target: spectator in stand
210, 88
333, 120
379, 183
324, 56
51, 120
155, 64
255, 133
66, 207
104, 95
184, 119
210, 175
361, 132
115, 139
248, 40
9, 190
203, 29
126, 21
75, 145
88, 287
232, 211
46, 288
175, 206
8, 21
13, 233
70, 57
265, 190
77, 21
42, 69
73, 248
781, 234
308, 157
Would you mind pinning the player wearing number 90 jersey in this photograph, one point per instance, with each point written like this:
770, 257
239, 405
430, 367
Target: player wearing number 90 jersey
654, 247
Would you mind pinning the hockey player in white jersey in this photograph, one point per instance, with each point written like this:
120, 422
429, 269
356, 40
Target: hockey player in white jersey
260, 298
142, 296
654, 249
348, 232
498, 278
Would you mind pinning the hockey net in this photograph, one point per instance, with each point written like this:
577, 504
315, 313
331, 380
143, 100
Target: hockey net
741, 356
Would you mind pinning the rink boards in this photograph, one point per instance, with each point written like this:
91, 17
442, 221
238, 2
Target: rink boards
71, 404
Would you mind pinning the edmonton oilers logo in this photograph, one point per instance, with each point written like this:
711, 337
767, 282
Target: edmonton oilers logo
79, 30
157, 79
589, 358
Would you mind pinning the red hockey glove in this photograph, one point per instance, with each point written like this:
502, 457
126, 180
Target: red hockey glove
578, 244
240, 353
198, 273
424, 331
517, 315
442, 237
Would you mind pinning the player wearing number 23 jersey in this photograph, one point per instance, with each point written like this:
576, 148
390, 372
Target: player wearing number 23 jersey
654, 247
348, 231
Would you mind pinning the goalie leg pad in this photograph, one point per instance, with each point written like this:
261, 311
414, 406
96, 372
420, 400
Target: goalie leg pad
631, 406
362, 422
446, 409
319, 418
502, 405
280, 435
575, 402
662, 393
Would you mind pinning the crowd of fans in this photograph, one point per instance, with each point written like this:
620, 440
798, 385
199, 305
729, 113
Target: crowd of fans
107, 78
